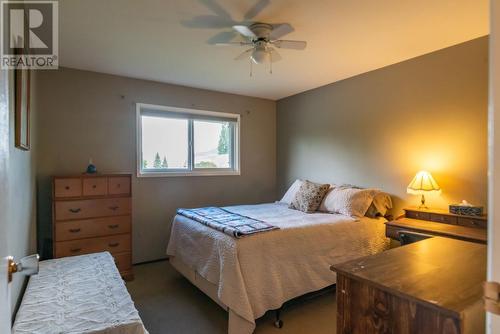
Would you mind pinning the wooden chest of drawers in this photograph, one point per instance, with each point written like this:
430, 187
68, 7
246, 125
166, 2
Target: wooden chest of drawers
432, 286
93, 213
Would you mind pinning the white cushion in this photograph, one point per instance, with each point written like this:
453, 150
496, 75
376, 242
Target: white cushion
291, 192
348, 201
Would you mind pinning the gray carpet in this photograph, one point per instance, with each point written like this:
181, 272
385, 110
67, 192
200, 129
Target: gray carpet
168, 303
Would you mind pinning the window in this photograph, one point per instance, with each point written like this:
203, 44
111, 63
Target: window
177, 141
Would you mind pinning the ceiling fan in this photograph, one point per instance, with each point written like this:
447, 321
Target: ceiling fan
263, 38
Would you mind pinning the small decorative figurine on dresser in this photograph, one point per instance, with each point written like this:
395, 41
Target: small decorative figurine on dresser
91, 168
466, 209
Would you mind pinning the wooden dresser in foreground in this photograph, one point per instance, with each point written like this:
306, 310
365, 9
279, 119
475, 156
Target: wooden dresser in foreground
432, 286
93, 213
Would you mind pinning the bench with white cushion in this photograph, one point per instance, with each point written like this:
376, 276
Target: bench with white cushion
79, 294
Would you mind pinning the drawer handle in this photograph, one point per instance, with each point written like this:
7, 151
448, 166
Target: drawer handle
113, 226
67, 187
75, 250
94, 186
115, 244
75, 210
114, 208
75, 230
473, 222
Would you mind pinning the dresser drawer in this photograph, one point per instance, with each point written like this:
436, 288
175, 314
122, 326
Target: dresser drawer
91, 208
418, 215
97, 227
119, 185
113, 244
123, 261
95, 186
392, 232
70, 187
472, 222
443, 219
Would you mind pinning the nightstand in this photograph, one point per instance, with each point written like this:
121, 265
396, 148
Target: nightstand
439, 223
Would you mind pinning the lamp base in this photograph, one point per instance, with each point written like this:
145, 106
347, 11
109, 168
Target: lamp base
422, 204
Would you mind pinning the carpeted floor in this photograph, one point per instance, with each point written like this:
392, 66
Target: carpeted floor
168, 303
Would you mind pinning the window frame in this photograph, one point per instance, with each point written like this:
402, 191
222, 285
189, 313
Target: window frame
191, 170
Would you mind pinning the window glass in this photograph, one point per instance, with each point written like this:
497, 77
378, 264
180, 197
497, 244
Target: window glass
212, 144
164, 143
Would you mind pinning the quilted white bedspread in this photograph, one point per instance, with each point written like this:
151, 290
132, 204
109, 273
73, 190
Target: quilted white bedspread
258, 273
79, 294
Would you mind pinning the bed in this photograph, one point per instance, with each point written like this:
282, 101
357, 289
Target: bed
254, 274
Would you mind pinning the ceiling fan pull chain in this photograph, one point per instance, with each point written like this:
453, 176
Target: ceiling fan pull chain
271, 63
251, 67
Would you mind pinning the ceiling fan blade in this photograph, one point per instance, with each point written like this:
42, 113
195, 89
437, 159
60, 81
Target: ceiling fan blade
216, 8
244, 54
256, 9
233, 44
245, 31
275, 56
280, 30
208, 21
222, 37
284, 44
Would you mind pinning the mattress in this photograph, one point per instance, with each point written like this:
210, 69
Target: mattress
258, 273
79, 294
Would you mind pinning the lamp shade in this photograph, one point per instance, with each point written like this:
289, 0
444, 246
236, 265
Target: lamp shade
422, 183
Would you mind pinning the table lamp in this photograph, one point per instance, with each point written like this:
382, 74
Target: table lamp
423, 183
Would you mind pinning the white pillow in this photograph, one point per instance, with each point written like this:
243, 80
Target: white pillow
291, 192
348, 201
382, 201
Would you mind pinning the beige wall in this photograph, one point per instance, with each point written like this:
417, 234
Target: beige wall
379, 128
19, 197
85, 114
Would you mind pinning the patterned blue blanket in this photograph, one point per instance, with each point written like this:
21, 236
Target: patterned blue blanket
226, 221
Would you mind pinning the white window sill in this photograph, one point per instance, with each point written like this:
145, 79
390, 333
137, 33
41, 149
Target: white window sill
189, 173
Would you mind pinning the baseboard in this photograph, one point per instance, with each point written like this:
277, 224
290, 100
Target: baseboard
152, 261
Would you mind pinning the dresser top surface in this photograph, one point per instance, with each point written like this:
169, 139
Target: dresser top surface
440, 272
71, 176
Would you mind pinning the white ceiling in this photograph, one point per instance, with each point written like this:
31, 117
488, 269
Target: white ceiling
153, 39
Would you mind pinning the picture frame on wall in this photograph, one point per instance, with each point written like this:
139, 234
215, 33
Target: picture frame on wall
22, 109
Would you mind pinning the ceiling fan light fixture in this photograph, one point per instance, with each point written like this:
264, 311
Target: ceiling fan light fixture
260, 55
263, 39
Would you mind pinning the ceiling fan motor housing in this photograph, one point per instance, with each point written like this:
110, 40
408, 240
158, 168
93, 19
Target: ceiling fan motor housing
261, 30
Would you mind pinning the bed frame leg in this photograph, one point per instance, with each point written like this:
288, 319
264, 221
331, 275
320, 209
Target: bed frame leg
278, 323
